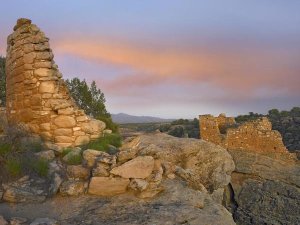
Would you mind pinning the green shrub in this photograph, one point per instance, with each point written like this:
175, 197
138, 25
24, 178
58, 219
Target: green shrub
113, 139
13, 166
41, 167
5, 149
102, 144
65, 151
75, 160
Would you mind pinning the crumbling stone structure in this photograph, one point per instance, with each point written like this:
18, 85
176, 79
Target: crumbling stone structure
36, 93
256, 136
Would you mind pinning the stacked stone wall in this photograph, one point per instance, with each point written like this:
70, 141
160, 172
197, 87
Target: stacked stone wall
37, 94
256, 136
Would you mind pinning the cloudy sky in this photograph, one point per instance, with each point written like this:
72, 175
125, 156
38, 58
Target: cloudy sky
174, 58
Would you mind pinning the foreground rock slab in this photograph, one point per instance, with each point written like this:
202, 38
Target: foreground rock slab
107, 186
179, 204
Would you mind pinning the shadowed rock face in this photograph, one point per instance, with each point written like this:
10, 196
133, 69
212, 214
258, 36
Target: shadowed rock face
266, 190
37, 94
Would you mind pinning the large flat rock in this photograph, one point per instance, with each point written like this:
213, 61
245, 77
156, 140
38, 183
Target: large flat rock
107, 186
139, 167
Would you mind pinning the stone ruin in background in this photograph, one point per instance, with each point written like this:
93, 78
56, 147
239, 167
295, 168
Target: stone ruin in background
255, 136
36, 93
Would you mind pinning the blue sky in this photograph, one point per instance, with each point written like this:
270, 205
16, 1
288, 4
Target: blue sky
174, 58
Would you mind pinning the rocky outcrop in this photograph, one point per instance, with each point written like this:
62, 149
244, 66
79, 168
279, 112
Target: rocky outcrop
145, 161
202, 163
37, 94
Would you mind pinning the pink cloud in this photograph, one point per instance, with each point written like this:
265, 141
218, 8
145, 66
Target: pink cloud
238, 70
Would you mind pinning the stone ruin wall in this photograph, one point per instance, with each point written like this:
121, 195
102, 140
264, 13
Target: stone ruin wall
213, 128
256, 136
37, 94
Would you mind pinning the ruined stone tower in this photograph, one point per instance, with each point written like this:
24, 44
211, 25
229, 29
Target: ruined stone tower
255, 136
37, 94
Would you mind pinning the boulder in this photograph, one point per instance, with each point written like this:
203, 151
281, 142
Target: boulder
93, 126
107, 186
101, 170
139, 167
71, 188
78, 172
107, 159
91, 155
125, 155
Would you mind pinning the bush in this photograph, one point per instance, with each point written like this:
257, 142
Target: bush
75, 160
5, 148
13, 166
41, 167
102, 144
177, 131
65, 151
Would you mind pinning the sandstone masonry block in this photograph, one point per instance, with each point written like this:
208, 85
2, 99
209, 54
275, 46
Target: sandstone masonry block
65, 121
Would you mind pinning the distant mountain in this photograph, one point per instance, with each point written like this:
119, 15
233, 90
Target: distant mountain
122, 118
